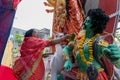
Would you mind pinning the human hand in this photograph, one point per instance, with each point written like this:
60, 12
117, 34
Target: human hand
72, 37
68, 36
68, 65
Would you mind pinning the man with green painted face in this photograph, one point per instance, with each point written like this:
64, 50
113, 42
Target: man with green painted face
88, 47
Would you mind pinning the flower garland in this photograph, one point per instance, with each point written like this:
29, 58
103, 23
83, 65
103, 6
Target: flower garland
90, 46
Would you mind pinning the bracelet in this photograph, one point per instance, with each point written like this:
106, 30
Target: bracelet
65, 57
71, 44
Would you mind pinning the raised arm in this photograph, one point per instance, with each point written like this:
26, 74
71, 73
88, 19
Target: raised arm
113, 54
66, 55
56, 41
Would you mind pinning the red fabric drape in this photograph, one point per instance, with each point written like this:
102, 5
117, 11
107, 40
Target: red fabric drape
73, 19
15, 3
6, 73
74, 72
7, 13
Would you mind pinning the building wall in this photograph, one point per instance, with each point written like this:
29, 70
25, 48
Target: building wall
44, 33
16, 31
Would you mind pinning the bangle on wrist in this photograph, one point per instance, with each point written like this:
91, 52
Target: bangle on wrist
65, 57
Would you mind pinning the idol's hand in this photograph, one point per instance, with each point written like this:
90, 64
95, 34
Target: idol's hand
112, 50
68, 65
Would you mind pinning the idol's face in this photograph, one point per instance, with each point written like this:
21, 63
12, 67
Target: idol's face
87, 23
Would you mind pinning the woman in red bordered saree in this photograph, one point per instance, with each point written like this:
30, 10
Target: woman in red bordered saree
30, 65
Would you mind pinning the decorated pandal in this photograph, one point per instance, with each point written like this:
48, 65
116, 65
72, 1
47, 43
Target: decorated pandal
89, 56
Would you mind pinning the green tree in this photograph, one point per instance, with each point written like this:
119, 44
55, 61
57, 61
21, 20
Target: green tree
18, 39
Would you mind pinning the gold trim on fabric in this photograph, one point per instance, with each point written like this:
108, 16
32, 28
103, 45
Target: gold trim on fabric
81, 75
100, 69
28, 74
103, 43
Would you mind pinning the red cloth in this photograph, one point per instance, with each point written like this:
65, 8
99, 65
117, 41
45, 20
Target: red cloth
110, 7
101, 76
6, 73
15, 3
75, 19
30, 51
10, 4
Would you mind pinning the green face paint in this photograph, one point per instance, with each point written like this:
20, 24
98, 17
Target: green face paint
88, 27
87, 23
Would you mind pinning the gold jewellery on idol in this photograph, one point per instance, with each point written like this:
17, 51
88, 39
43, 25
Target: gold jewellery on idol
90, 46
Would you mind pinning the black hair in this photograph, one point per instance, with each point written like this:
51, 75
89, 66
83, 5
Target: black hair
29, 33
99, 19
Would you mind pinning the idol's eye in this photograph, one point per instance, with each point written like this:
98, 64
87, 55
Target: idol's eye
88, 21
